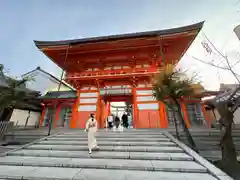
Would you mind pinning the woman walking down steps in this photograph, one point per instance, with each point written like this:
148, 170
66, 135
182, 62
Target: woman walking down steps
91, 128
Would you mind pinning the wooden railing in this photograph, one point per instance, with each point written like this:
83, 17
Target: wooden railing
5, 126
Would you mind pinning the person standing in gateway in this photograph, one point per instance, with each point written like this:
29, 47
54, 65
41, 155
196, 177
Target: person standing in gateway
125, 120
91, 128
110, 121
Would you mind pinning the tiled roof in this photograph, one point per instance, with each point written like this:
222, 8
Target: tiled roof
226, 95
192, 27
60, 95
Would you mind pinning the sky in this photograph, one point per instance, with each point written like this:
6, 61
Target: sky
27, 20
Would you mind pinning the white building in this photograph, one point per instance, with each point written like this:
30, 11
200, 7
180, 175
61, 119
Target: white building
44, 82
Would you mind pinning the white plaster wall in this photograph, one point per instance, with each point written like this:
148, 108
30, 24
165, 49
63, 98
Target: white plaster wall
144, 92
93, 100
89, 94
19, 117
87, 108
43, 83
152, 106
237, 116
55, 88
145, 98
34, 118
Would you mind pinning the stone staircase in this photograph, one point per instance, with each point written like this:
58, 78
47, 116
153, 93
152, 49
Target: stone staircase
18, 137
208, 140
24, 136
128, 155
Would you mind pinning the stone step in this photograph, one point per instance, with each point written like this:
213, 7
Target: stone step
141, 165
4, 149
129, 139
210, 146
207, 131
109, 143
209, 138
60, 173
109, 135
202, 147
128, 133
82, 132
24, 138
112, 136
25, 134
104, 154
211, 155
107, 148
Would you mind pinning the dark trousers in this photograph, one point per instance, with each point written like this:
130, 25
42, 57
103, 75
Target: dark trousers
110, 125
125, 123
117, 123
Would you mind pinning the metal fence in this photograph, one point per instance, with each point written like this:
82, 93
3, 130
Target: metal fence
5, 126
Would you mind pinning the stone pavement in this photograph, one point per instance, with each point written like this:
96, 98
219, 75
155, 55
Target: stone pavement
129, 155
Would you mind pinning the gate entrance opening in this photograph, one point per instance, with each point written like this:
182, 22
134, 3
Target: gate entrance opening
116, 101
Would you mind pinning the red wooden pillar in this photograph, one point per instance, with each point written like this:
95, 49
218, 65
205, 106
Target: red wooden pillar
206, 117
106, 111
163, 118
75, 117
185, 115
42, 116
99, 109
58, 109
108, 108
135, 119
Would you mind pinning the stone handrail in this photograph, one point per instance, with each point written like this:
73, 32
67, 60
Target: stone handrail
5, 126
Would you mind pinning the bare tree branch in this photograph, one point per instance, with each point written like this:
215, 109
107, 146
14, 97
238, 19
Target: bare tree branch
237, 62
214, 47
231, 70
211, 64
229, 66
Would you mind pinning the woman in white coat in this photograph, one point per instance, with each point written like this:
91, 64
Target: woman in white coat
91, 128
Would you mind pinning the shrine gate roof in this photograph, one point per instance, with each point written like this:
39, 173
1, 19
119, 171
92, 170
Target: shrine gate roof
152, 47
197, 26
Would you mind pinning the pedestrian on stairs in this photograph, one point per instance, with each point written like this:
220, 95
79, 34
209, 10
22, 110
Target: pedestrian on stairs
91, 128
125, 120
110, 121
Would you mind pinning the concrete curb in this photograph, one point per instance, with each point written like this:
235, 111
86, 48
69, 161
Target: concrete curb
27, 145
211, 168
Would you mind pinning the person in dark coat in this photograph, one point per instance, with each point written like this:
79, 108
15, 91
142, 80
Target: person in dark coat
117, 121
125, 120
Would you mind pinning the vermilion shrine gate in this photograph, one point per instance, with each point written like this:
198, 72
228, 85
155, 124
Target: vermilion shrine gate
120, 68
